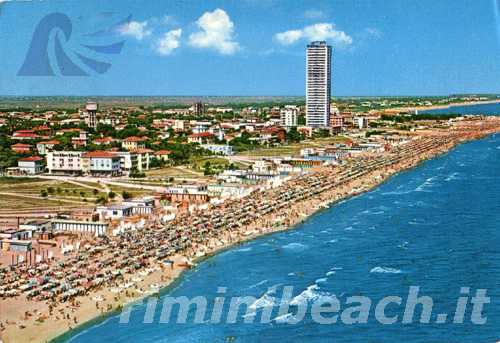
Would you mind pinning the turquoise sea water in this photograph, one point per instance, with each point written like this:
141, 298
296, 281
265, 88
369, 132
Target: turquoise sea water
436, 226
491, 109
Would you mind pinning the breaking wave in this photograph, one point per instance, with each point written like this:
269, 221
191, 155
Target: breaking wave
295, 246
385, 270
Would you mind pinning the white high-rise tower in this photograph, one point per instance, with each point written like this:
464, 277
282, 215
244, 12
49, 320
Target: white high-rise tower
318, 84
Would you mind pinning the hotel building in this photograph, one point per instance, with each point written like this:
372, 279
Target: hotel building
318, 84
288, 116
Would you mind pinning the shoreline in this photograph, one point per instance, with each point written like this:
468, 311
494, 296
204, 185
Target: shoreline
299, 211
442, 107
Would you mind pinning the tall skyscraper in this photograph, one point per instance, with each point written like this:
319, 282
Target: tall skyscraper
318, 84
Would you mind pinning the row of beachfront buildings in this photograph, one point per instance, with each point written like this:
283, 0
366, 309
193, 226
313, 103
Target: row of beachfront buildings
99, 163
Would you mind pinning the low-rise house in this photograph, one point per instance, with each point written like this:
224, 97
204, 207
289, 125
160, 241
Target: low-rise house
36, 225
31, 165
140, 206
24, 135
45, 146
134, 143
162, 154
18, 246
200, 138
16, 234
274, 132
103, 141
114, 212
79, 141
42, 129
21, 148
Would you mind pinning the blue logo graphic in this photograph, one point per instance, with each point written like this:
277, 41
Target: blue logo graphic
40, 61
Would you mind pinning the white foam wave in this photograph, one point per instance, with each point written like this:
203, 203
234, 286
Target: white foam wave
309, 294
398, 192
330, 273
385, 270
333, 241
295, 246
245, 249
283, 319
264, 301
403, 245
453, 176
321, 280
427, 184
258, 284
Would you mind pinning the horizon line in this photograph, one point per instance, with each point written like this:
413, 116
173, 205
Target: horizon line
249, 96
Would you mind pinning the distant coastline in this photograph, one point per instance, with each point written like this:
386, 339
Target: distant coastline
441, 107
70, 101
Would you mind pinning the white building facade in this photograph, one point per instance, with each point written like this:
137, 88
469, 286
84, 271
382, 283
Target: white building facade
318, 84
64, 162
288, 116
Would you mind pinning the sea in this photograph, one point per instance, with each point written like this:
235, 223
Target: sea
490, 109
435, 227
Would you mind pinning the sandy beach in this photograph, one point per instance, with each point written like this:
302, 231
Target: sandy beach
24, 320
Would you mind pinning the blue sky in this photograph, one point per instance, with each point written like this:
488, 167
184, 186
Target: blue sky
257, 47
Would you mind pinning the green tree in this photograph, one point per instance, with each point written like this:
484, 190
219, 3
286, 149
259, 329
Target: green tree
126, 195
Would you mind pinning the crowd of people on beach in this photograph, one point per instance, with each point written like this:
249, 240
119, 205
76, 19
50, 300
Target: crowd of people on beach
118, 263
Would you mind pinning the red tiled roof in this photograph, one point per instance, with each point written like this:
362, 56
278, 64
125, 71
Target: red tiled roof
98, 154
69, 130
23, 132
55, 142
163, 152
21, 145
31, 159
201, 134
103, 140
135, 139
17, 135
141, 151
